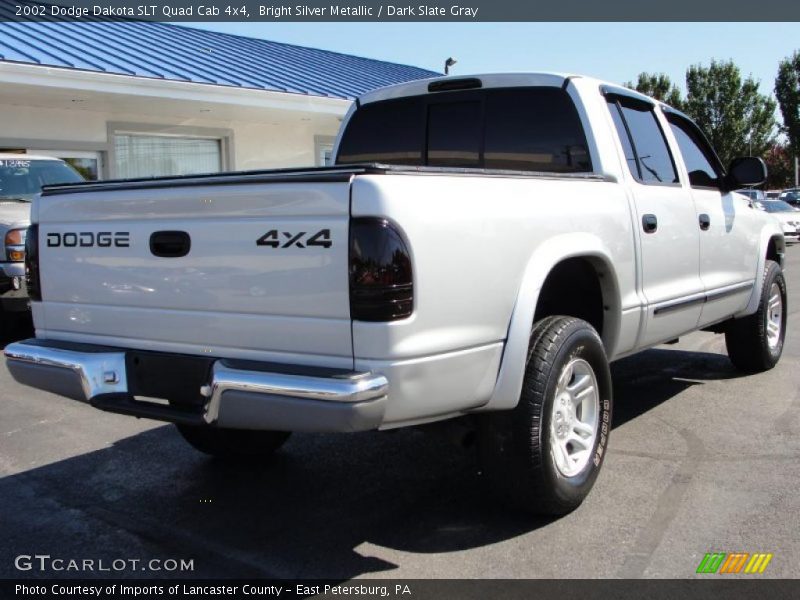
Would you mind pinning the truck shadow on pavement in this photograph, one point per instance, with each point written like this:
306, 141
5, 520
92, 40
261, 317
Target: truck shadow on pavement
650, 378
15, 327
323, 507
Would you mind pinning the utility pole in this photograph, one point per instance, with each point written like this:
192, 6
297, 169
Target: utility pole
796, 182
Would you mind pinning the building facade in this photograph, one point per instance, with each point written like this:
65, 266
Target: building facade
141, 99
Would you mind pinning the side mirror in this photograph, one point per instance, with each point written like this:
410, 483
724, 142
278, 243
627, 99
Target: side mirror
746, 171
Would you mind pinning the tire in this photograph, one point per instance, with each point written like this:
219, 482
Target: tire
755, 343
547, 470
233, 444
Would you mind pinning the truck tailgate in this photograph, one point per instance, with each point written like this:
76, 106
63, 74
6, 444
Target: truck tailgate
266, 273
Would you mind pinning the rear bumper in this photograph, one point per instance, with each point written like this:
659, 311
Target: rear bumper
237, 394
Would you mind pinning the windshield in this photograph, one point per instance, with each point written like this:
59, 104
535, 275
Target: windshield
22, 179
778, 206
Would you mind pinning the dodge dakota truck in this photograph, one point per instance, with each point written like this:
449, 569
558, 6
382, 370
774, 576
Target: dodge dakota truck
482, 248
21, 178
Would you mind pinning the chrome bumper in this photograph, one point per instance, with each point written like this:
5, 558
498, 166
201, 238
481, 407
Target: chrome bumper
255, 397
12, 269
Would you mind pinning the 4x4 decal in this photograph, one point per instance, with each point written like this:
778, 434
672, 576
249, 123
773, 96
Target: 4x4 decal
295, 240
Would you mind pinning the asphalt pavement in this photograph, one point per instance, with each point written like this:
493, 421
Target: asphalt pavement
701, 460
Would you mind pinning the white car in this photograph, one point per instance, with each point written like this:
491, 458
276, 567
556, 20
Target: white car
483, 247
21, 179
787, 215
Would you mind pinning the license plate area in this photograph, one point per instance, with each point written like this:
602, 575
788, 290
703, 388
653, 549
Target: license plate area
174, 377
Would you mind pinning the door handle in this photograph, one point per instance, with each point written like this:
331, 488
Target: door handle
649, 223
705, 221
170, 244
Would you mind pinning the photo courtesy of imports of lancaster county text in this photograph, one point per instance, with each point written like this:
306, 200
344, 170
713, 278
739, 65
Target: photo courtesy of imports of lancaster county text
405, 305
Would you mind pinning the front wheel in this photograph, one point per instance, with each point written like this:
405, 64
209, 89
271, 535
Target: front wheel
755, 343
558, 433
233, 444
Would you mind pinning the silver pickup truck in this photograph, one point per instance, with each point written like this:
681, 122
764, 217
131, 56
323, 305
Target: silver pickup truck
21, 179
483, 248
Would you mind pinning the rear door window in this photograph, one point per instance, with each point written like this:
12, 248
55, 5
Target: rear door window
653, 162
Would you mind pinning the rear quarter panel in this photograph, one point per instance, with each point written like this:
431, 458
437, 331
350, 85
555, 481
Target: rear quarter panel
473, 240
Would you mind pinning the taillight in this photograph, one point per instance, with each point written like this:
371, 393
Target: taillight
32, 263
381, 283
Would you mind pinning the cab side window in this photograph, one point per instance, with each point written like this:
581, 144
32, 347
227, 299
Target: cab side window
702, 164
646, 150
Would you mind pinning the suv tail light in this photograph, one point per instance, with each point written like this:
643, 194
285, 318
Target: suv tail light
32, 263
381, 283
15, 245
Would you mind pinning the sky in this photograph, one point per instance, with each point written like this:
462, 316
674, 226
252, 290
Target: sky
616, 52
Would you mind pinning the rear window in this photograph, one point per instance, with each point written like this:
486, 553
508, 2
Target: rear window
390, 132
528, 129
454, 134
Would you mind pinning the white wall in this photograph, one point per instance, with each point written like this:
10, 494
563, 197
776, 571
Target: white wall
282, 139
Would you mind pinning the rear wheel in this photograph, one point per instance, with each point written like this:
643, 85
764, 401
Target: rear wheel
755, 343
557, 435
233, 444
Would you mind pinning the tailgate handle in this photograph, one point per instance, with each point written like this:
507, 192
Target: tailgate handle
170, 244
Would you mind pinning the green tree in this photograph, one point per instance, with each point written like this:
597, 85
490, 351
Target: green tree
787, 90
780, 166
658, 86
736, 117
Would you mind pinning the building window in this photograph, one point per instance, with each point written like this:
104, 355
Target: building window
325, 157
138, 155
88, 163
323, 150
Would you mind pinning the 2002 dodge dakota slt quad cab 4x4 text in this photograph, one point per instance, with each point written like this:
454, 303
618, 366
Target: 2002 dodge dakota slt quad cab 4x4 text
483, 246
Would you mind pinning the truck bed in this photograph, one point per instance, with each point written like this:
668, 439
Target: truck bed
296, 175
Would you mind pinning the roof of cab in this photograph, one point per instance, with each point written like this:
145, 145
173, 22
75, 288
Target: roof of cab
492, 80
488, 80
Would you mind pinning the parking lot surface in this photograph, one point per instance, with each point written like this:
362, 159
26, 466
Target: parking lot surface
701, 460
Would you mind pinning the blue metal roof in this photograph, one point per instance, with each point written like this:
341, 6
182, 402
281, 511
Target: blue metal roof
165, 51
